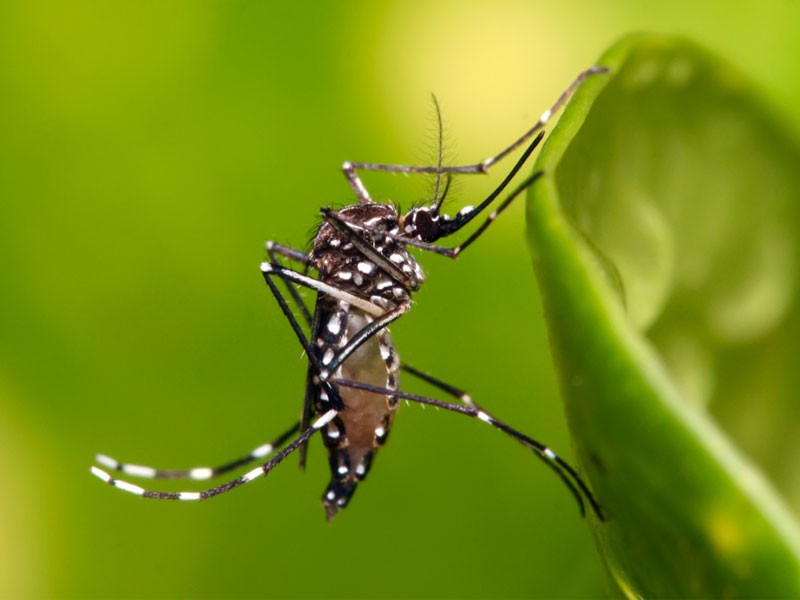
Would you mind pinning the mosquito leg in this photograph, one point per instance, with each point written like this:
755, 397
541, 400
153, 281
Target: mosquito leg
333, 394
273, 250
438, 383
472, 410
350, 168
567, 473
301, 337
562, 99
467, 399
263, 469
463, 217
307, 414
308, 395
198, 473
290, 253
269, 269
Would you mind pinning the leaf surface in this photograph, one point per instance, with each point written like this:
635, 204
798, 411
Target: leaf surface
664, 237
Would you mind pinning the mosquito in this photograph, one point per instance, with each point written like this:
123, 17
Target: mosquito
366, 277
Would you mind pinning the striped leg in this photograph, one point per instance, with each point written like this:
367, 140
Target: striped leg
566, 472
350, 168
308, 395
198, 473
273, 250
269, 269
465, 215
263, 469
467, 399
289, 276
445, 387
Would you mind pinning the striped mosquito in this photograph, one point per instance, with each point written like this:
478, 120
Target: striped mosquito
366, 276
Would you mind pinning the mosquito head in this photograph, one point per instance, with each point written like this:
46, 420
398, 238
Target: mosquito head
425, 223
422, 223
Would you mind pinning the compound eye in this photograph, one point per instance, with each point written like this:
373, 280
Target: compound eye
427, 228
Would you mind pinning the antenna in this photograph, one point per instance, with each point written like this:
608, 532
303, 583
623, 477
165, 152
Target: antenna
437, 202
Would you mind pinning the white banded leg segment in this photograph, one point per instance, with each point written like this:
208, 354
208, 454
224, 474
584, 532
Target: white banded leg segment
225, 487
198, 473
201, 473
262, 451
107, 461
139, 471
118, 483
128, 487
135, 489
101, 474
257, 472
324, 419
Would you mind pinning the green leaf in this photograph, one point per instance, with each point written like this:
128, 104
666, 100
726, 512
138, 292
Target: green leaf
664, 236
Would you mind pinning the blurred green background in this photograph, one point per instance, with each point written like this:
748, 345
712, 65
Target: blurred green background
149, 149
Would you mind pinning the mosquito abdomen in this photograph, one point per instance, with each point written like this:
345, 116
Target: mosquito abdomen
354, 436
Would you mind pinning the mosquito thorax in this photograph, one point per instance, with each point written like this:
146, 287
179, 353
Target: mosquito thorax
341, 263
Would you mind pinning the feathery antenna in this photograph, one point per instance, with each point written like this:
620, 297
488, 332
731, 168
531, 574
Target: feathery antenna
436, 200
